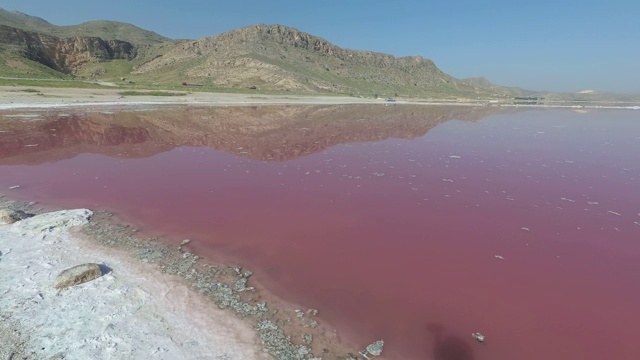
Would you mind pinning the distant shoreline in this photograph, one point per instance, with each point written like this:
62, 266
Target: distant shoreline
30, 97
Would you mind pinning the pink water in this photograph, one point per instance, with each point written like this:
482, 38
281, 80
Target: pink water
396, 239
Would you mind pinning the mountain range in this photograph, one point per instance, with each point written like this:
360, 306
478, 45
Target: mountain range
265, 57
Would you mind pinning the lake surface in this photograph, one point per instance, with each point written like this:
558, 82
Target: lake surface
413, 224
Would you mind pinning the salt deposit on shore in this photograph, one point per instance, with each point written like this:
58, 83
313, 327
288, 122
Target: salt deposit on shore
131, 312
136, 298
44, 97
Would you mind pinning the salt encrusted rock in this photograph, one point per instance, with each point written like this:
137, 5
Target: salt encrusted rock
183, 243
53, 221
77, 275
8, 216
478, 336
241, 284
375, 349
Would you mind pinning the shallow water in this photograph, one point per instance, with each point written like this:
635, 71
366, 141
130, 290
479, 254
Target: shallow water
417, 225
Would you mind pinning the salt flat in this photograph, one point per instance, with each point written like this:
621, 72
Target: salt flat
131, 312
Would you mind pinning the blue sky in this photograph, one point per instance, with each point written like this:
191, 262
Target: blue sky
540, 45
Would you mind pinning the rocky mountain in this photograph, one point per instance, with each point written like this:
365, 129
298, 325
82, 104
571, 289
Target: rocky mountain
280, 57
107, 30
268, 57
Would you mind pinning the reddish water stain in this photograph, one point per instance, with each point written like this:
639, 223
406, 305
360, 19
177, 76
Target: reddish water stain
397, 238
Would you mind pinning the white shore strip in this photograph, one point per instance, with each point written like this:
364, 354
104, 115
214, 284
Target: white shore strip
132, 311
30, 97
43, 97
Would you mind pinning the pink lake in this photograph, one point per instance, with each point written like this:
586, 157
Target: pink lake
416, 225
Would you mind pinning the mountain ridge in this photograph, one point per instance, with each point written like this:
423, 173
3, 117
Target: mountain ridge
271, 57
107, 30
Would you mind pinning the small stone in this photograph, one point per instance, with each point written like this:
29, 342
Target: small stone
478, 337
303, 350
241, 284
375, 348
184, 242
77, 275
312, 324
307, 338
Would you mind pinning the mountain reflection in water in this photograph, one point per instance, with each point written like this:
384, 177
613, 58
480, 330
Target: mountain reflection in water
266, 133
419, 225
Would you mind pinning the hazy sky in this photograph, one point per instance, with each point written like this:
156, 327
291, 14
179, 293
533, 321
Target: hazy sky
538, 44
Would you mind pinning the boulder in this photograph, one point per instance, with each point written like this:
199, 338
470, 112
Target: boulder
77, 275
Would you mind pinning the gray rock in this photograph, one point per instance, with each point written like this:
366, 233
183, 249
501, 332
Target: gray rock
9, 216
54, 221
478, 336
375, 348
312, 324
77, 275
307, 338
312, 312
241, 284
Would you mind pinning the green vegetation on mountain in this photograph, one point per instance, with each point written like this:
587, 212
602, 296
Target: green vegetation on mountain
271, 58
107, 30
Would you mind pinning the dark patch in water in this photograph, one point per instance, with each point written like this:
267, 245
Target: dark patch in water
448, 347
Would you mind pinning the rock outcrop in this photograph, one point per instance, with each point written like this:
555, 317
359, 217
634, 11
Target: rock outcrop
66, 55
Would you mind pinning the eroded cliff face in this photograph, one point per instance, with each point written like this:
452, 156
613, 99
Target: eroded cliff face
66, 55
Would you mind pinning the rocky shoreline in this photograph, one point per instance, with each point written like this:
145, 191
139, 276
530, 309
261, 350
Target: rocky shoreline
285, 332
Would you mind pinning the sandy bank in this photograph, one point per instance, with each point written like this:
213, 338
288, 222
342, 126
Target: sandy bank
131, 312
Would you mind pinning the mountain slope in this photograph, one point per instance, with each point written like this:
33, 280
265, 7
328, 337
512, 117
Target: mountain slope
22, 20
284, 58
63, 55
107, 30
